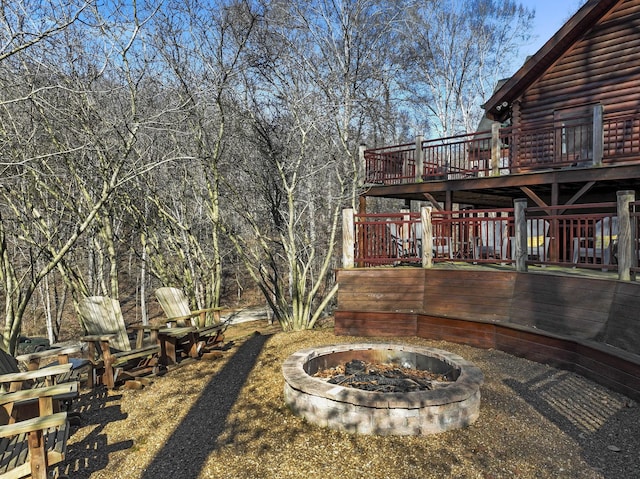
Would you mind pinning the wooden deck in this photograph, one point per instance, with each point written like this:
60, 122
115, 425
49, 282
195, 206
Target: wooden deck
586, 322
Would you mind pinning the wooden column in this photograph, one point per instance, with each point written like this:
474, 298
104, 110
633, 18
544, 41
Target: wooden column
448, 200
348, 238
554, 250
626, 241
514, 162
362, 205
362, 165
362, 240
495, 149
419, 159
598, 135
521, 249
427, 236
405, 232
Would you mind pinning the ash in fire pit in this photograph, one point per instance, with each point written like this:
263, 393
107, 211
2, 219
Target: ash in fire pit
383, 377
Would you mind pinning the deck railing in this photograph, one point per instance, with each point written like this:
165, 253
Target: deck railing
634, 220
480, 236
391, 165
582, 236
571, 142
592, 236
621, 137
463, 156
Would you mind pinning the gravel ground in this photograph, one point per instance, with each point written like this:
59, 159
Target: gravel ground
226, 418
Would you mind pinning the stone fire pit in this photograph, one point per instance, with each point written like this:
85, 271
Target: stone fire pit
446, 406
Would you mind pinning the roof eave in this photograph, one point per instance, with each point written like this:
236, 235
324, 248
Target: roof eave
497, 106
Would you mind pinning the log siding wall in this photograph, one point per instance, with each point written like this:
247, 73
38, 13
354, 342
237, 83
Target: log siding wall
603, 67
590, 326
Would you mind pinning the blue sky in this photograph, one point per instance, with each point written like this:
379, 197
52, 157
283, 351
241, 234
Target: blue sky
550, 16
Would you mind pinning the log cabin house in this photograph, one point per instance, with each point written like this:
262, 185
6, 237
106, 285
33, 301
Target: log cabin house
552, 182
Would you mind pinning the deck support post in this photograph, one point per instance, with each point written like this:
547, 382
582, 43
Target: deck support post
405, 233
626, 241
598, 135
495, 149
348, 238
520, 221
427, 236
419, 159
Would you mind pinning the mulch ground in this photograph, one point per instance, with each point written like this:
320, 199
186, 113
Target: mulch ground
226, 418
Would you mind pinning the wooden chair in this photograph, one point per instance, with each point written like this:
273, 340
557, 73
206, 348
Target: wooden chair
33, 434
114, 355
12, 378
55, 355
78, 367
406, 240
442, 247
493, 241
597, 248
537, 240
175, 305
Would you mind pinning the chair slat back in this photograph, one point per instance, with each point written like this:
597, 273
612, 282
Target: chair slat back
8, 363
173, 301
102, 315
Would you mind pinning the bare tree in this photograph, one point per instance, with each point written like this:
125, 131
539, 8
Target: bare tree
460, 49
202, 49
24, 24
234, 125
70, 125
310, 97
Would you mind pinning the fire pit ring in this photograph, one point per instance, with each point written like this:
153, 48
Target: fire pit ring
447, 406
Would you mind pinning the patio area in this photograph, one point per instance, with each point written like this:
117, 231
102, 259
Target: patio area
229, 420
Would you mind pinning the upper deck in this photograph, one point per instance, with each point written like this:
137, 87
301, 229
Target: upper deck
572, 152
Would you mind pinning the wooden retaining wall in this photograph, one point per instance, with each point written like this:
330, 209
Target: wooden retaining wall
587, 325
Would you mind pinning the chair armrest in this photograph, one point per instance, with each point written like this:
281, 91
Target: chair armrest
193, 313
35, 424
176, 332
32, 360
55, 351
98, 337
69, 389
37, 374
207, 310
